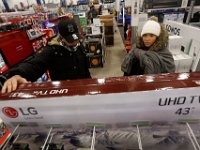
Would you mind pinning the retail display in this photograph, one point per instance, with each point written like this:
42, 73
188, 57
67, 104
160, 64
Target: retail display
33, 34
107, 21
4, 132
176, 16
183, 30
36, 38
94, 43
166, 137
150, 4
171, 136
83, 21
189, 44
94, 30
26, 28
16, 50
96, 61
94, 46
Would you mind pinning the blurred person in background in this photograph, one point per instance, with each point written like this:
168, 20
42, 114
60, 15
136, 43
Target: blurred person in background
92, 13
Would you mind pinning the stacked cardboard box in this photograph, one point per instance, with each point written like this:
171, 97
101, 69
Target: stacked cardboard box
107, 20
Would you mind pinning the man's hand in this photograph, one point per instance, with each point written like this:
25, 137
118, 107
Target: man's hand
12, 84
70, 15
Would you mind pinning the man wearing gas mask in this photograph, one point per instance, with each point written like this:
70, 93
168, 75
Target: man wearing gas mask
64, 58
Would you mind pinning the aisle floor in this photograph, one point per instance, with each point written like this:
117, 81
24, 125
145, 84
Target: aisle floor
113, 59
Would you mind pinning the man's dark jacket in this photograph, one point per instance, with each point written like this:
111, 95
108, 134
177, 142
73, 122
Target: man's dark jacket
61, 63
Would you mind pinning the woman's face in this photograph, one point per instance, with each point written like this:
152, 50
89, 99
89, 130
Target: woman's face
149, 39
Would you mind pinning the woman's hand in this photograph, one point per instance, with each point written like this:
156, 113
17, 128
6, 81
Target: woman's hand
12, 84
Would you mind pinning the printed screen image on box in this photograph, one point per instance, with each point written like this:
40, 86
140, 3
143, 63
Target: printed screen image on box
4, 132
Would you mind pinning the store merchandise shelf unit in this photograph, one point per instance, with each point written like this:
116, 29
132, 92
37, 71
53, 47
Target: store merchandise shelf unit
169, 4
26, 28
107, 1
14, 51
148, 4
95, 45
107, 21
115, 112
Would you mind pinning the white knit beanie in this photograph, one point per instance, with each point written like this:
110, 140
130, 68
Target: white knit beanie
151, 27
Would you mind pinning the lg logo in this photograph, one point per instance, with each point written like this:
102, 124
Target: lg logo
13, 113
10, 112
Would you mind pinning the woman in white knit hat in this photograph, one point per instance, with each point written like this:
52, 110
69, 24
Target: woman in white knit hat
150, 54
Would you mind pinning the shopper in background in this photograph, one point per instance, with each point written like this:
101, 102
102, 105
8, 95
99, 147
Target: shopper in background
64, 57
150, 54
100, 9
128, 33
92, 13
